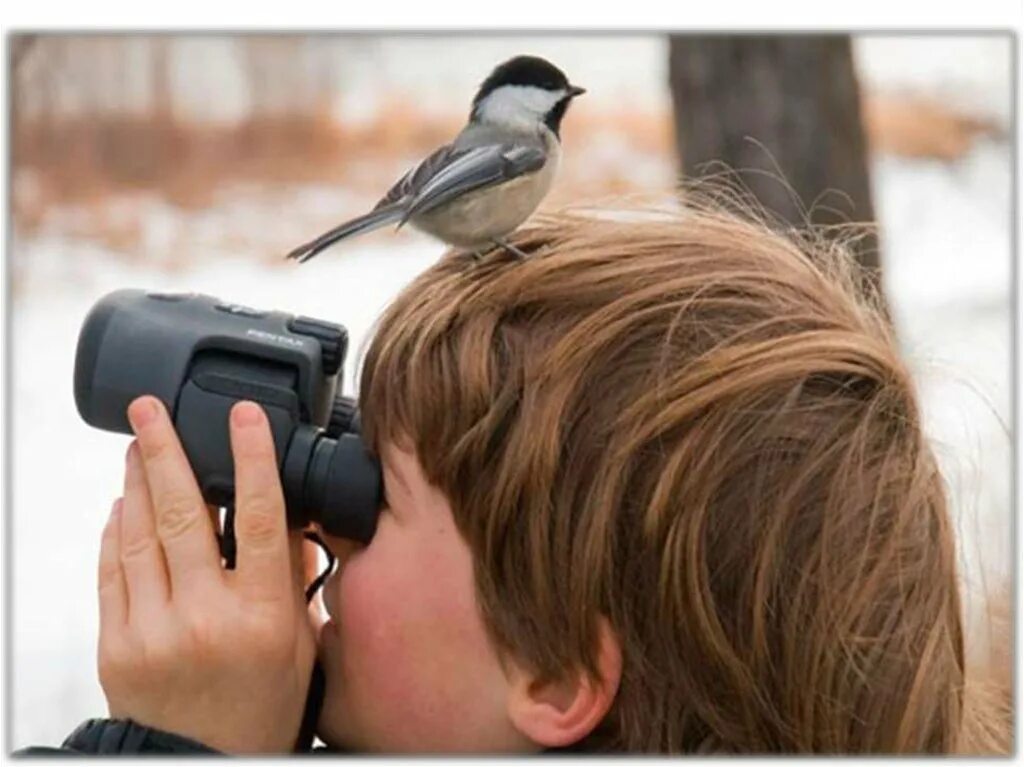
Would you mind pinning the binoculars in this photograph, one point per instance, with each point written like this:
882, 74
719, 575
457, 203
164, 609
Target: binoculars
199, 356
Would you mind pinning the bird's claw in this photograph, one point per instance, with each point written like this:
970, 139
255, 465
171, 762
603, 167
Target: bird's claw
511, 248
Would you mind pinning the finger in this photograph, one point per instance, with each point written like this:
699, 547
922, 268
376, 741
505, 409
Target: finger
295, 558
263, 569
182, 522
214, 514
142, 558
310, 560
113, 594
304, 556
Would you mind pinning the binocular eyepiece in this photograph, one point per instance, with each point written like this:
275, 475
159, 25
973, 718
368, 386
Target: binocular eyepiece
199, 356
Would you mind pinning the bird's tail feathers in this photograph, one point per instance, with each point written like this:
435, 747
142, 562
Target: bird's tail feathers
375, 219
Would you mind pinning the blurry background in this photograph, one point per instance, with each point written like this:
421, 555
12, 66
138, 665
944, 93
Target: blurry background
195, 162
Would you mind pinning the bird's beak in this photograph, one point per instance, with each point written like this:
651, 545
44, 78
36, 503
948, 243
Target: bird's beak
575, 90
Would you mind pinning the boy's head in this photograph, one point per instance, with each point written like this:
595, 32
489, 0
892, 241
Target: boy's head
660, 487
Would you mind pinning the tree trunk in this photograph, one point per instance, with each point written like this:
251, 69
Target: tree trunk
771, 106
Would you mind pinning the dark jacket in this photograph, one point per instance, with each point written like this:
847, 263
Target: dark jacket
123, 736
119, 736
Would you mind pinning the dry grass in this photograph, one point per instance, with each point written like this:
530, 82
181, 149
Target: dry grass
914, 127
81, 159
89, 162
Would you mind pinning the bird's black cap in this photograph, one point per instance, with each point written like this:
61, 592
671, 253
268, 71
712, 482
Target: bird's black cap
523, 70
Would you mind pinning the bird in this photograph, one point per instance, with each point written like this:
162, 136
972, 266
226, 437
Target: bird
474, 191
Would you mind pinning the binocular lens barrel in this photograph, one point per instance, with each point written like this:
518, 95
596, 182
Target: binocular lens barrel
200, 356
333, 482
344, 488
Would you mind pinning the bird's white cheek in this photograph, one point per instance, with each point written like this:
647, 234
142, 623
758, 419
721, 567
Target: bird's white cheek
513, 104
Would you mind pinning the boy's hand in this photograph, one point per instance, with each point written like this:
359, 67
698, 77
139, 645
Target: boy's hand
220, 656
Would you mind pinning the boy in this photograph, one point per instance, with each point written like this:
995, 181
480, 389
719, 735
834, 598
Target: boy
660, 487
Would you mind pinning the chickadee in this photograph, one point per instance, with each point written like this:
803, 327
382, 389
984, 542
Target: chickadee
474, 191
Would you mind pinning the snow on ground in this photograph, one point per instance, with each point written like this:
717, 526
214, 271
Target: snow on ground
946, 244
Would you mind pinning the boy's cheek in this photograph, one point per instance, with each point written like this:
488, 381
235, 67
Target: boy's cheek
374, 627
384, 662
408, 619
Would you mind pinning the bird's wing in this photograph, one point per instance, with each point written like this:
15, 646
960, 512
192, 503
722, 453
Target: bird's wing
391, 207
414, 179
450, 171
375, 219
468, 169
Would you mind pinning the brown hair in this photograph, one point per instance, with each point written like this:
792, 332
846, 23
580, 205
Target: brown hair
701, 430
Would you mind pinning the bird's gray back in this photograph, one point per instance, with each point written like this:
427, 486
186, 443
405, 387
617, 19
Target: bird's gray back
482, 134
473, 136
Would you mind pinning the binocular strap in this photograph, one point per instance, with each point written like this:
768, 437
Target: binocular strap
314, 702
315, 696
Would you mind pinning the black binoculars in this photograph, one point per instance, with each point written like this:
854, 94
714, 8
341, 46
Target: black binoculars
199, 356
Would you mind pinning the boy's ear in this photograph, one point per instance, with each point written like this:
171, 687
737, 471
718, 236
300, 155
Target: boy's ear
557, 713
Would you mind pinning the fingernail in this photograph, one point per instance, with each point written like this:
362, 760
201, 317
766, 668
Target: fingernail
142, 411
246, 414
133, 448
115, 510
